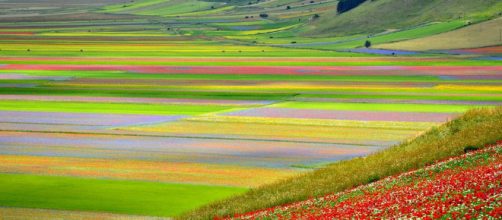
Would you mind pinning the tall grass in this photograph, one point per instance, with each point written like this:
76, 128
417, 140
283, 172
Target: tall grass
476, 128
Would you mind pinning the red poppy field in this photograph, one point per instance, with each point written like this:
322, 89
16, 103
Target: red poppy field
465, 187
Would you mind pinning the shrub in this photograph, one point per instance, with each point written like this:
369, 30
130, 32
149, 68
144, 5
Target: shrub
373, 178
470, 148
367, 44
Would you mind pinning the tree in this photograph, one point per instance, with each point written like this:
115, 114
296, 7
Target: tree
346, 5
367, 44
263, 15
288, 7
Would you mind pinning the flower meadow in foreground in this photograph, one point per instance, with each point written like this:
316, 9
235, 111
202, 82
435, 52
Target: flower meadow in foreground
465, 187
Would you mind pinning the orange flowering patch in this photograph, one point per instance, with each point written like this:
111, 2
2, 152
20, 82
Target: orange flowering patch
143, 170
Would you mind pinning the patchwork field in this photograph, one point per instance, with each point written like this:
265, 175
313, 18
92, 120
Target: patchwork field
150, 109
223, 128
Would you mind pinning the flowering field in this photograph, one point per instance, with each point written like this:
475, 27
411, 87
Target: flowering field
160, 107
467, 187
238, 123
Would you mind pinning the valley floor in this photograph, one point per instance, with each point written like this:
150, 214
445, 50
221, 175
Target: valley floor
157, 108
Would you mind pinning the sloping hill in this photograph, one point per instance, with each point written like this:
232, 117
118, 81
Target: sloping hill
474, 36
380, 15
463, 186
475, 128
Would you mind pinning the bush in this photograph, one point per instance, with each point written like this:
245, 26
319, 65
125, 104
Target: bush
373, 179
470, 148
367, 44
347, 5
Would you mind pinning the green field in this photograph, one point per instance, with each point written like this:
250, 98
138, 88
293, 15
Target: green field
376, 107
126, 197
110, 108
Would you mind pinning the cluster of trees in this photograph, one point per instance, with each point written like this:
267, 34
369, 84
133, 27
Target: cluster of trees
346, 5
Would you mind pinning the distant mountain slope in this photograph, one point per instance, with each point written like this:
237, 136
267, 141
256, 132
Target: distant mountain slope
478, 35
379, 15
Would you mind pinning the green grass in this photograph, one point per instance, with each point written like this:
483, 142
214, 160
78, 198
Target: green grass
413, 33
148, 93
475, 128
472, 36
136, 5
358, 40
381, 15
235, 54
176, 52
375, 96
160, 7
377, 107
112, 108
116, 196
234, 77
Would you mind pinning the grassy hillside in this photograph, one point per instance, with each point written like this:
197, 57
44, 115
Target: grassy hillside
459, 187
380, 15
475, 128
478, 35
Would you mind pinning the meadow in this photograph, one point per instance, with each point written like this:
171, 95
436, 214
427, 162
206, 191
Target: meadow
153, 109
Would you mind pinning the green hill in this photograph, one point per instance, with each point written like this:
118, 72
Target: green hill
484, 34
475, 128
380, 15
